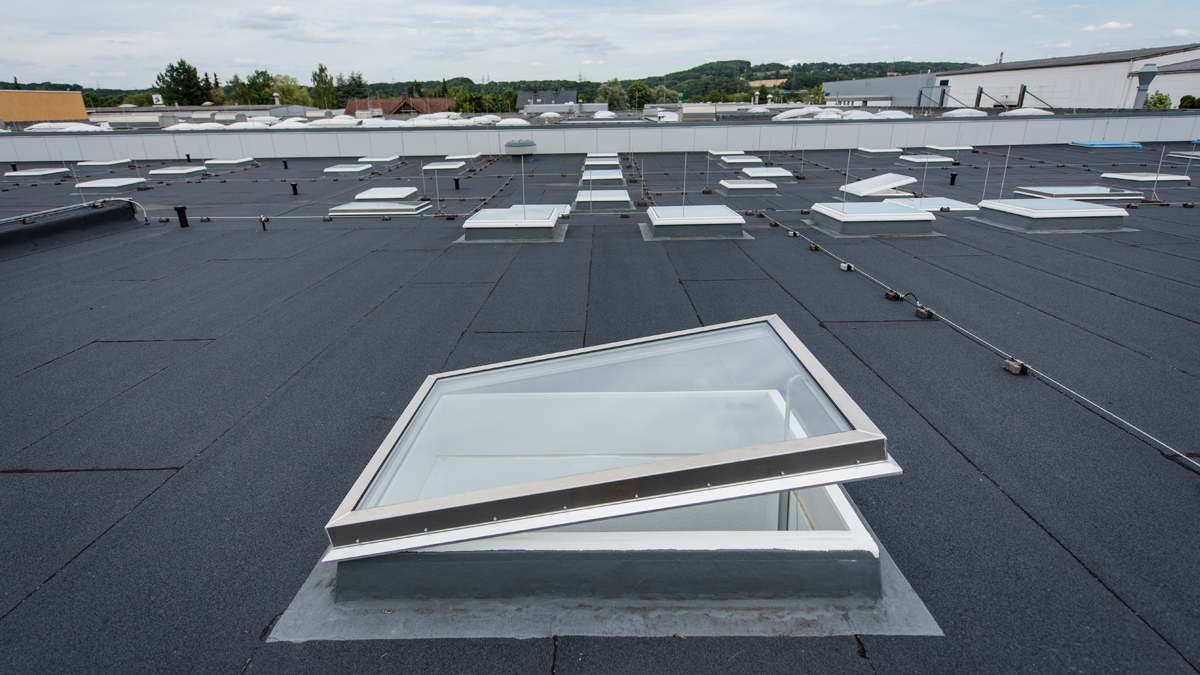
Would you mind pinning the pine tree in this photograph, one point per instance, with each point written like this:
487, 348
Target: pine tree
180, 84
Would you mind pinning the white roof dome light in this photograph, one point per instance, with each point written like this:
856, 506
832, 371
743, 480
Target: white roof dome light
964, 112
893, 115
605, 115
1025, 112
512, 122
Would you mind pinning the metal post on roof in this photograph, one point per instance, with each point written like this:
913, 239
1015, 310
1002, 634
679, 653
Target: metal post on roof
684, 195
985, 181
1154, 190
1021, 97
1007, 159
437, 189
847, 184
522, 186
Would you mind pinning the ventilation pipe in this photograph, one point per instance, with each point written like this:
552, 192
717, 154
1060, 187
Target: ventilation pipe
1145, 77
276, 99
978, 96
1021, 98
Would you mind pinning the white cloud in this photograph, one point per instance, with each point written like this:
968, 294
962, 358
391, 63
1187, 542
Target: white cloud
1111, 25
1039, 16
907, 58
589, 62
1079, 6
925, 3
1182, 32
536, 63
1060, 45
792, 62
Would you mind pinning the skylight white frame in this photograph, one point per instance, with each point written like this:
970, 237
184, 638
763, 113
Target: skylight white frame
1028, 208
178, 171
902, 212
683, 481
766, 172
226, 163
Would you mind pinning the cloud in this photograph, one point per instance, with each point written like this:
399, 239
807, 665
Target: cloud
590, 62
536, 63
925, 3
792, 62
271, 18
1060, 45
1039, 16
1079, 6
907, 58
1182, 32
1111, 25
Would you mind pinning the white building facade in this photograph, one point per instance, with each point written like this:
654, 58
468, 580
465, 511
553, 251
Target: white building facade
1106, 80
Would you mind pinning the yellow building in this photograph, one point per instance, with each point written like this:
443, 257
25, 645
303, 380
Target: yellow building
42, 106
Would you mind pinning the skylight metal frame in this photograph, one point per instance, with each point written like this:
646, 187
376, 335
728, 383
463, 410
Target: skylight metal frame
762, 469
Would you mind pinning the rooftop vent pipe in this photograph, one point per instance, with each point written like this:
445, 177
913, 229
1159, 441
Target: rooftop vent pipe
1145, 77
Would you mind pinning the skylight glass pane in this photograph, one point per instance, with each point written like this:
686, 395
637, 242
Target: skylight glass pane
618, 407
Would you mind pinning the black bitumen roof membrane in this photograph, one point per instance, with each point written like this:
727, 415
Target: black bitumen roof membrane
185, 408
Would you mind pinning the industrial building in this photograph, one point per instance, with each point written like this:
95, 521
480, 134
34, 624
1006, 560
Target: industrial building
23, 105
1092, 81
273, 407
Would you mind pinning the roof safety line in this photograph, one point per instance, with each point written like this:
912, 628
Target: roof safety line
1042, 375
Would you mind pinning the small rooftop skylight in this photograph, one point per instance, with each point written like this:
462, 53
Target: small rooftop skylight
766, 172
350, 169
1079, 193
1056, 215
1144, 180
933, 204
363, 208
109, 186
178, 171
226, 163
27, 174
386, 194
105, 162
879, 186
871, 218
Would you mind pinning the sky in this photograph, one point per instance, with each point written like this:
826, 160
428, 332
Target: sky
123, 44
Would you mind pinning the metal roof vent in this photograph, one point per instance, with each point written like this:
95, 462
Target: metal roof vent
1145, 77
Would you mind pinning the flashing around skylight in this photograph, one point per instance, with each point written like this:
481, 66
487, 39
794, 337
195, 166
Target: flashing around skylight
698, 416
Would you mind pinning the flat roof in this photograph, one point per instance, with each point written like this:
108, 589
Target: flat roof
186, 408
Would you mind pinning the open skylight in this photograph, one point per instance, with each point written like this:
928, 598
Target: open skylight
686, 418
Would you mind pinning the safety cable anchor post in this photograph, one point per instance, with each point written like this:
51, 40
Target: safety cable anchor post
893, 296
925, 313
814, 247
846, 267
1016, 366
